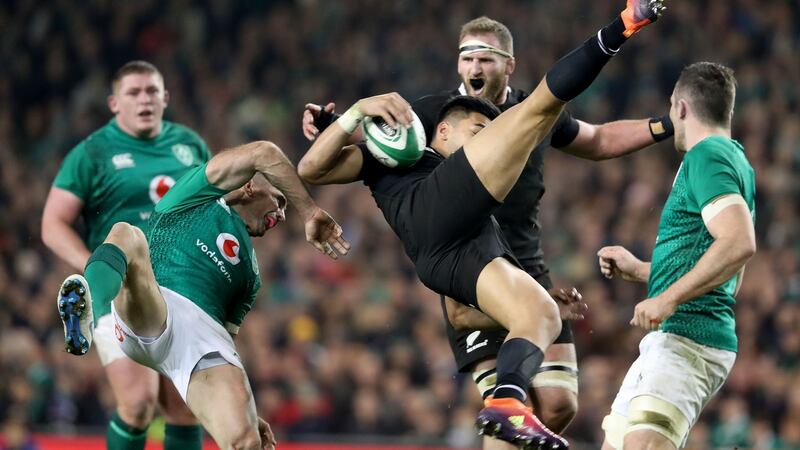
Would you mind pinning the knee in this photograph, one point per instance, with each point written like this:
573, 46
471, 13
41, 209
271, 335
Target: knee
130, 239
558, 410
138, 412
545, 312
245, 439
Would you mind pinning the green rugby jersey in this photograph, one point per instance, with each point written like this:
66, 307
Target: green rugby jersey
200, 248
715, 166
120, 178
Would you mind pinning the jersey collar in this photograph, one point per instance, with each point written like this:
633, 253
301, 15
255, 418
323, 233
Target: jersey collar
463, 90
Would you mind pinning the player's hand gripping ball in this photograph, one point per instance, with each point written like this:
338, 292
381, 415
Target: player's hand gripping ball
395, 147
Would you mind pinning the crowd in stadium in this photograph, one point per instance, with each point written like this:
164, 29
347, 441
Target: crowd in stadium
357, 346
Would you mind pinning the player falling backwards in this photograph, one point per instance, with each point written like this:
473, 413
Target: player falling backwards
118, 174
705, 237
194, 281
441, 209
485, 64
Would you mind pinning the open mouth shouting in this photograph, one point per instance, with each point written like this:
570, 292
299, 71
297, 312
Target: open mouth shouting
477, 84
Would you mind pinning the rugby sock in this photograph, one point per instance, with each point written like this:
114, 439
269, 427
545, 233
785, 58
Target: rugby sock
121, 436
573, 73
183, 437
517, 362
104, 272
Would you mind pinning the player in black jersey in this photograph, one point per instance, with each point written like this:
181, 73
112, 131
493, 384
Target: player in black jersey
485, 63
441, 210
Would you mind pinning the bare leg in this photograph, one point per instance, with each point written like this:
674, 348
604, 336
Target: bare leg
229, 415
499, 152
174, 409
516, 301
144, 310
135, 388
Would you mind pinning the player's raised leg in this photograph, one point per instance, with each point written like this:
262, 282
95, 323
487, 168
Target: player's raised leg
144, 310
123, 255
499, 152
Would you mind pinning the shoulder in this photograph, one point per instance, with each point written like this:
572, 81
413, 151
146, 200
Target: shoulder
712, 149
181, 130
94, 145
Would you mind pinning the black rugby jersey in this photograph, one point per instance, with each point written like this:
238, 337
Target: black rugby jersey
518, 215
389, 186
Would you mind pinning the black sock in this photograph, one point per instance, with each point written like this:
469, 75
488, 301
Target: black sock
517, 362
612, 35
576, 71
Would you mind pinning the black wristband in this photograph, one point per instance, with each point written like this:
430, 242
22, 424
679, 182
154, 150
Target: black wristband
661, 128
564, 131
324, 119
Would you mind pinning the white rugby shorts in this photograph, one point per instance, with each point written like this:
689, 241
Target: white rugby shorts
190, 335
673, 379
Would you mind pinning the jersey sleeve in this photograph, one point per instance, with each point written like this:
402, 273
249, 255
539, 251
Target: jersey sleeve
76, 172
710, 175
565, 130
191, 190
370, 166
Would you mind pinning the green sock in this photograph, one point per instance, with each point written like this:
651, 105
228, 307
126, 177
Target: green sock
104, 272
121, 436
183, 437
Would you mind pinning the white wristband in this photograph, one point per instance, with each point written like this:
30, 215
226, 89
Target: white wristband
351, 119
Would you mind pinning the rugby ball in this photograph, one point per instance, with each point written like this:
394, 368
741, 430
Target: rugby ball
396, 148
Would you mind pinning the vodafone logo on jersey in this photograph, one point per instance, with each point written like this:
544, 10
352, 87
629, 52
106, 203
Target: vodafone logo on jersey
159, 186
228, 246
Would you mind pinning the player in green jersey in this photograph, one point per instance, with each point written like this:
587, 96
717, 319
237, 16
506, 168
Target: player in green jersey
193, 279
705, 237
118, 174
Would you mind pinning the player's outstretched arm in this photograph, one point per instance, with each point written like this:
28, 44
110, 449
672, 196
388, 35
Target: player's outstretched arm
330, 160
233, 168
612, 139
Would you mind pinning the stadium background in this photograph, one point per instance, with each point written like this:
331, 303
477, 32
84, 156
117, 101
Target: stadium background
356, 348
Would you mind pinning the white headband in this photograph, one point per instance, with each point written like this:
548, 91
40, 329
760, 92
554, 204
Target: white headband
475, 45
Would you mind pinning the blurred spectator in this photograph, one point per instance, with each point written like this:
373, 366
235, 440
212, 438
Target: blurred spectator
358, 346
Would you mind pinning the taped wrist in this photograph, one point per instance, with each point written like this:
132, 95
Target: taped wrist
351, 119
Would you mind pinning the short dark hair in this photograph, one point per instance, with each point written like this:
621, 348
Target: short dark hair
468, 104
130, 67
711, 90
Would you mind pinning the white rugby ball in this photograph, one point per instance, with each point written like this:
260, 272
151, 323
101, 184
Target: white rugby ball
396, 148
